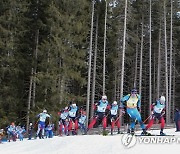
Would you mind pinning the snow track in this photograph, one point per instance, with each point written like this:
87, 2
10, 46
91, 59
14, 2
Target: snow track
87, 144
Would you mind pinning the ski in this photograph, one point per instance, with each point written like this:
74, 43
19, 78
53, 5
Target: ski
153, 135
161, 135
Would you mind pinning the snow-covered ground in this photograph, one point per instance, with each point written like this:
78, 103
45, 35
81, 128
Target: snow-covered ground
92, 144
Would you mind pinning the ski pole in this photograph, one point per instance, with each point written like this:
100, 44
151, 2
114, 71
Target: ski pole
105, 116
118, 117
36, 122
147, 118
91, 118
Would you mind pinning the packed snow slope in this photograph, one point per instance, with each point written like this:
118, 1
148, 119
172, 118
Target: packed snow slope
90, 144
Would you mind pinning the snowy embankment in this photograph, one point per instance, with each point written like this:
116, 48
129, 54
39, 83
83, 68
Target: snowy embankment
90, 144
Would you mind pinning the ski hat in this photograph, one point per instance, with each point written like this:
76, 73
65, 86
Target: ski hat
104, 97
44, 111
134, 90
73, 104
115, 103
162, 99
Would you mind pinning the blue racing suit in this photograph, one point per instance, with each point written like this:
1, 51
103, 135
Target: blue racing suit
41, 123
132, 105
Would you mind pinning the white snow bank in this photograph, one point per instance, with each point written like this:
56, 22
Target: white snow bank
88, 144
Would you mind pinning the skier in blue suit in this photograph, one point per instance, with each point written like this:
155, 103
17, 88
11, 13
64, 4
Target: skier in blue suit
100, 113
132, 103
11, 131
73, 118
41, 124
114, 117
158, 111
82, 122
64, 121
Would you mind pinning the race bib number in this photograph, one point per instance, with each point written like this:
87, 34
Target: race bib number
72, 114
63, 116
158, 110
113, 112
132, 102
101, 109
81, 121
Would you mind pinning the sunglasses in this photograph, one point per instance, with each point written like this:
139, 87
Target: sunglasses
134, 92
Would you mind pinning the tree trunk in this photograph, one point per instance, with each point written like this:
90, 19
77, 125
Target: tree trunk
29, 99
123, 51
60, 83
62, 90
174, 88
47, 71
123, 56
94, 70
170, 65
115, 82
166, 65
136, 61
89, 67
150, 65
159, 65
35, 67
141, 53
104, 54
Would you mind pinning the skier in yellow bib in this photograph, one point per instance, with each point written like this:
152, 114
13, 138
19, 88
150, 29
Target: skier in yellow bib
132, 104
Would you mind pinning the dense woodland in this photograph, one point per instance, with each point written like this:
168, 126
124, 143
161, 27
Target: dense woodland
53, 52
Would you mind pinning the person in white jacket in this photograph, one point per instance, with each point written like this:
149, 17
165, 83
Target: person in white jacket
41, 124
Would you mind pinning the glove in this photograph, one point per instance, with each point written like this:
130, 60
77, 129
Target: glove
152, 115
95, 114
112, 119
162, 113
95, 106
123, 111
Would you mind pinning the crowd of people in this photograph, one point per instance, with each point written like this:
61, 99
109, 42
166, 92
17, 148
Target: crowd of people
72, 118
13, 132
131, 105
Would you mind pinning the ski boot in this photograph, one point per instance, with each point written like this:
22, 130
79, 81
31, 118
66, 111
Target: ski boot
74, 132
68, 134
85, 131
145, 133
161, 133
119, 131
35, 137
111, 131
132, 131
